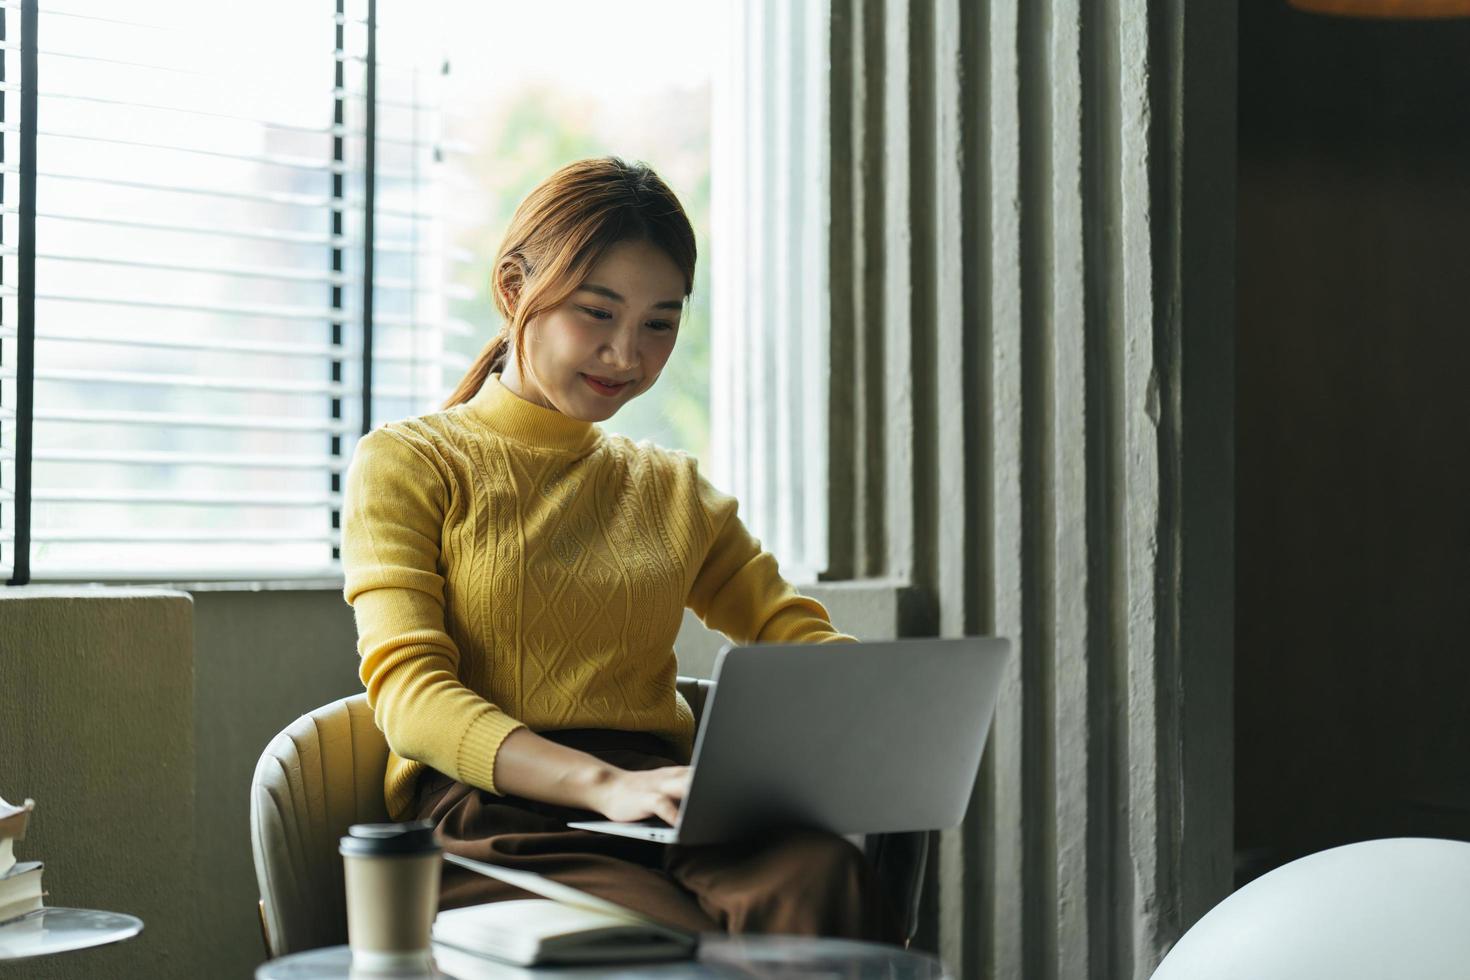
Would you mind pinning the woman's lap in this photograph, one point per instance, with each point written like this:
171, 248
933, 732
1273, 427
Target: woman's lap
800, 882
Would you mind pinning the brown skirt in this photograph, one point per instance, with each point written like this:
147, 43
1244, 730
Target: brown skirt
798, 883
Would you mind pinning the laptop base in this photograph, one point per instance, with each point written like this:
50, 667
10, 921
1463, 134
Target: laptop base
659, 835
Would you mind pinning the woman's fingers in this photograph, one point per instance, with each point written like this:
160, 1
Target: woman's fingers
674, 790
670, 789
650, 792
667, 810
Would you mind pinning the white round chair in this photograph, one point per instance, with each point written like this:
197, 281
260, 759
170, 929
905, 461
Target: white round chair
1374, 910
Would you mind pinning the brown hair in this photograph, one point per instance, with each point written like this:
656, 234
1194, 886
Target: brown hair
559, 233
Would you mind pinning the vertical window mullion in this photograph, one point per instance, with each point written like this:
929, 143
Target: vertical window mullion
25, 298
370, 154
4, 36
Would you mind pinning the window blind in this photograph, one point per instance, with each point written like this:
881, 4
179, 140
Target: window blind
231, 280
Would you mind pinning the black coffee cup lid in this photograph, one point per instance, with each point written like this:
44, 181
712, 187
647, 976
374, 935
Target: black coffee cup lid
390, 839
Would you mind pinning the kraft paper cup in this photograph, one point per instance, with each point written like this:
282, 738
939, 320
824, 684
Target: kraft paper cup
392, 878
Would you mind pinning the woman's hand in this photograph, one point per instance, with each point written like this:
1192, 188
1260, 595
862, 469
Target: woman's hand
540, 769
637, 794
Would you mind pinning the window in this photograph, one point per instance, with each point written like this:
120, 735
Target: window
210, 332
771, 219
201, 205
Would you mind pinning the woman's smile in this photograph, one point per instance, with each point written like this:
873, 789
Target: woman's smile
604, 386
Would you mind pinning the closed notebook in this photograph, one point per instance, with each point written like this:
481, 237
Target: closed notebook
541, 930
567, 926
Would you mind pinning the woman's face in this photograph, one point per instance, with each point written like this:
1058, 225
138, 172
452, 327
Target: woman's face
609, 341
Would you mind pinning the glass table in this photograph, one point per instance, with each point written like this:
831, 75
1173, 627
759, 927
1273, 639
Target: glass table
59, 930
749, 957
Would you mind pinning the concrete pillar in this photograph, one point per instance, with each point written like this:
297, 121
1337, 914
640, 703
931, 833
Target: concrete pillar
97, 725
1031, 421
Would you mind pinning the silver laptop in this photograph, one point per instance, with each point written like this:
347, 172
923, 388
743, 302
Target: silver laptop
853, 738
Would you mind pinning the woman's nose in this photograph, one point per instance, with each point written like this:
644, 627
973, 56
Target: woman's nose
621, 349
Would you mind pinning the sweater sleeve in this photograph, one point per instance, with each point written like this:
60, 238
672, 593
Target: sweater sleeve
739, 590
392, 519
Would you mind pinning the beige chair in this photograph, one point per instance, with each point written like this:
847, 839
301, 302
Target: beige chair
324, 772
314, 780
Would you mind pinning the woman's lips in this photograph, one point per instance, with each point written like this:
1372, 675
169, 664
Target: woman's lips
602, 388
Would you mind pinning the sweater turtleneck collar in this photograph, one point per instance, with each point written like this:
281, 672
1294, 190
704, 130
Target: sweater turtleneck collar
504, 412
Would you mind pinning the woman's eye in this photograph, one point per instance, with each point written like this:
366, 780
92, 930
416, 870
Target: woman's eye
596, 314
661, 325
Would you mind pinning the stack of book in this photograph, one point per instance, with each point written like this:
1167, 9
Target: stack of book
20, 881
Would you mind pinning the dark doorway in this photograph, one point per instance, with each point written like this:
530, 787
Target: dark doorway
1353, 435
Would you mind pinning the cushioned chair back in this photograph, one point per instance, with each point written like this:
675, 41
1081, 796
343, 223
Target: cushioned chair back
695, 692
314, 780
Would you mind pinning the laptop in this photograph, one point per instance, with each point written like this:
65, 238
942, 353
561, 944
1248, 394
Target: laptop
860, 738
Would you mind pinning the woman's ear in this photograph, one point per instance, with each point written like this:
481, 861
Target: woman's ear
510, 294
508, 281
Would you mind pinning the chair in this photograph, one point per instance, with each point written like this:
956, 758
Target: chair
319, 776
324, 772
1378, 908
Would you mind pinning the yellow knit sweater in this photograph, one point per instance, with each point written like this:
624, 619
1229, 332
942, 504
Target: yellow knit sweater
510, 565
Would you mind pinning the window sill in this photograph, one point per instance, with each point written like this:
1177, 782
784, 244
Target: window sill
312, 583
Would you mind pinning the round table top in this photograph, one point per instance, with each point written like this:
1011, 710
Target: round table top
752, 957
59, 930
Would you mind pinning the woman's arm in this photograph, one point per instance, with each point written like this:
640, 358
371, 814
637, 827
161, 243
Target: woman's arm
540, 769
739, 590
393, 518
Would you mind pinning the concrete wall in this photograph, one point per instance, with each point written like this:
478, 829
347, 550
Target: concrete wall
1031, 248
1353, 466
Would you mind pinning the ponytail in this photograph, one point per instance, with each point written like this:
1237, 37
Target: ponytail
491, 360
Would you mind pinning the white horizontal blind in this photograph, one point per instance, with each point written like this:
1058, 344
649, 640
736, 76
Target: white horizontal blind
200, 196
770, 182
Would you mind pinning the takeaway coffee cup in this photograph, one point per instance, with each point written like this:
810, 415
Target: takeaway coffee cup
392, 873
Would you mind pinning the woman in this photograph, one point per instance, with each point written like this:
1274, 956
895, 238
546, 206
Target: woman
519, 577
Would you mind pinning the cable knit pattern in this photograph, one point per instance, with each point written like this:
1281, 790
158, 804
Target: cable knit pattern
509, 565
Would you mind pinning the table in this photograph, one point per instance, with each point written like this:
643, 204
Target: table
748, 957
60, 930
